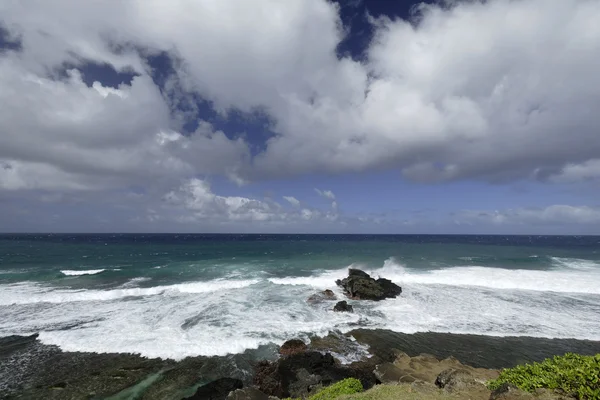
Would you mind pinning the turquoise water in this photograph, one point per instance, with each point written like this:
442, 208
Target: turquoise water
178, 295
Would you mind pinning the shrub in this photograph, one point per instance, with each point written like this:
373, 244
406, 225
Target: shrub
574, 374
346, 386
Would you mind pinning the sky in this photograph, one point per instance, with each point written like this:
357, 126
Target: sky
300, 116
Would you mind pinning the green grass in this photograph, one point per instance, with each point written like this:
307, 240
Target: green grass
343, 387
575, 374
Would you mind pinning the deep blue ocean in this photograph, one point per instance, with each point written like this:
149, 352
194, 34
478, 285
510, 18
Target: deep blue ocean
174, 296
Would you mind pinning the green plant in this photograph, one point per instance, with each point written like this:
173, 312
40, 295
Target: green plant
574, 374
346, 386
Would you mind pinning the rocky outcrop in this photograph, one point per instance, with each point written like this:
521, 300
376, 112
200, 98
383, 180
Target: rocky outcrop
343, 306
300, 375
247, 394
322, 296
217, 390
293, 346
361, 286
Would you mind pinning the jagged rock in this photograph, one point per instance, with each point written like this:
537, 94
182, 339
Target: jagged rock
390, 289
217, 390
343, 306
322, 296
292, 346
247, 394
302, 374
360, 285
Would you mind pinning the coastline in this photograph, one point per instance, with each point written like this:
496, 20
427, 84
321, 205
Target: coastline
30, 369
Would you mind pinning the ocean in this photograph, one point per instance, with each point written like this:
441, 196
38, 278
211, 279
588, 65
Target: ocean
173, 296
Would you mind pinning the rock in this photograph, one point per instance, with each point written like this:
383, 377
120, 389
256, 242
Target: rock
390, 289
362, 286
322, 296
293, 346
452, 379
300, 375
343, 306
509, 392
388, 373
217, 390
247, 394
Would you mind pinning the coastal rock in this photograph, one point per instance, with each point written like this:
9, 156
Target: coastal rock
217, 390
247, 394
293, 346
302, 374
360, 285
343, 306
322, 296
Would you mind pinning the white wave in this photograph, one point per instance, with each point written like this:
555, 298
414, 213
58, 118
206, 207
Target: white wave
576, 263
229, 316
135, 282
323, 280
562, 281
70, 272
31, 293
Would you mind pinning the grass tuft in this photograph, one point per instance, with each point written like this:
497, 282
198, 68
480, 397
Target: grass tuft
574, 374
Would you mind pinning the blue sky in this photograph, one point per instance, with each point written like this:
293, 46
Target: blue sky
358, 116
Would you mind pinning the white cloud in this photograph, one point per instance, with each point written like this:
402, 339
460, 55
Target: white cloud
586, 171
292, 200
477, 89
555, 214
200, 203
493, 90
328, 194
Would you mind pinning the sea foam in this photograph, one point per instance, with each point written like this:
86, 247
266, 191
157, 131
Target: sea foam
228, 315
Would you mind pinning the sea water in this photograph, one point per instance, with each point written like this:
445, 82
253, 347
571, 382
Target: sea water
173, 296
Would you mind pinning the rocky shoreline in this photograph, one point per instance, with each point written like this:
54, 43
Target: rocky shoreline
32, 370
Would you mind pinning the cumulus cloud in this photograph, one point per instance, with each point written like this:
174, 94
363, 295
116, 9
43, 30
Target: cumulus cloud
572, 173
201, 203
555, 214
492, 90
467, 89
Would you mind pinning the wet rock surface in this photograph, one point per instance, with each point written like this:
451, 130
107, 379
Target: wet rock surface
301, 375
217, 390
293, 346
361, 286
32, 370
343, 306
322, 296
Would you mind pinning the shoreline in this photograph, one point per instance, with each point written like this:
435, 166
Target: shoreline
30, 369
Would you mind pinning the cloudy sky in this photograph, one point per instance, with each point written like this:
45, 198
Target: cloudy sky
300, 116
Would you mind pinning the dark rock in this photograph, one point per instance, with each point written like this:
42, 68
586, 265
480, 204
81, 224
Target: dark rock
293, 346
322, 296
247, 394
362, 286
390, 289
302, 374
217, 390
343, 306
357, 273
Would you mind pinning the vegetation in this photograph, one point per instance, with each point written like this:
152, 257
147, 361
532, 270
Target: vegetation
343, 387
574, 374
346, 386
